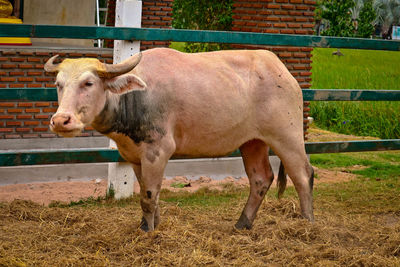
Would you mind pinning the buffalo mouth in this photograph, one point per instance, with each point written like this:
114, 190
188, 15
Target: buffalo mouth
67, 132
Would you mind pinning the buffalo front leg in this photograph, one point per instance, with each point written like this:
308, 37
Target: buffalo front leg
150, 173
259, 172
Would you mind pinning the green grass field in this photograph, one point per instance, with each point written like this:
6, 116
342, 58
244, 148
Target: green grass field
357, 69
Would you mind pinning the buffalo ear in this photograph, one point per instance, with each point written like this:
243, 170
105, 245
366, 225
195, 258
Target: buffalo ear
125, 83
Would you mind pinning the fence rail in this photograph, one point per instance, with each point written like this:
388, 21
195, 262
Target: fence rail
97, 155
145, 34
50, 94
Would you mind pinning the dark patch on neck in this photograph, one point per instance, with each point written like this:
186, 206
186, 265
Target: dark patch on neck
134, 117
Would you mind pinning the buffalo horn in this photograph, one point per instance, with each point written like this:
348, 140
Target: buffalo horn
113, 70
50, 66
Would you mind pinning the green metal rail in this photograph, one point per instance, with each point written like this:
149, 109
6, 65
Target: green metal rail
50, 94
144, 34
97, 155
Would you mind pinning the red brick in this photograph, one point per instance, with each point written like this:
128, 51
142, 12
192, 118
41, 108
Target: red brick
25, 104
263, 24
272, 19
42, 104
14, 110
47, 123
39, 66
311, 14
300, 31
273, 6
287, 19
16, 85
296, 1
3, 58
299, 67
265, 12
292, 60
30, 136
9, 53
302, 7
17, 59
296, 13
281, 13
42, 116
44, 79
288, 7
307, 25
40, 129
24, 117
305, 73
35, 73
43, 54
34, 85
31, 123
286, 31
32, 110
23, 129
5, 130
285, 54
12, 136
302, 19
293, 49
13, 123
25, 79
25, 66
6, 117
250, 23
33, 59
271, 31
9, 66
7, 104
48, 135
49, 110
25, 53
16, 73
280, 25
7, 79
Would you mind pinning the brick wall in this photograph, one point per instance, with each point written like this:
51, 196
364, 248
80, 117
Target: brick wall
279, 16
23, 68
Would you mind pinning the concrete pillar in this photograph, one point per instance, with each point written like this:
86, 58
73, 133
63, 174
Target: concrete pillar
128, 13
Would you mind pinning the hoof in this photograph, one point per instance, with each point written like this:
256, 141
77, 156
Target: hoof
243, 223
143, 225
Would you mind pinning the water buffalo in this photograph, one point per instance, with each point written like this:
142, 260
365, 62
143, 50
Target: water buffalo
163, 103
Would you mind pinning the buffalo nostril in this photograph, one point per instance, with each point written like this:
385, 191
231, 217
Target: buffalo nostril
68, 119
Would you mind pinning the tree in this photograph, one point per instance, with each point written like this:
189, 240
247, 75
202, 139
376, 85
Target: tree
387, 14
202, 15
365, 21
337, 12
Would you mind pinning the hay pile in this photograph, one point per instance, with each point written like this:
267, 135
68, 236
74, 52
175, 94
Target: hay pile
106, 234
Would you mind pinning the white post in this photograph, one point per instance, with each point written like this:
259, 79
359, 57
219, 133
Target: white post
128, 13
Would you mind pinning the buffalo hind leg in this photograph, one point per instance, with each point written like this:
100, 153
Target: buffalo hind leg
300, 171
259, 172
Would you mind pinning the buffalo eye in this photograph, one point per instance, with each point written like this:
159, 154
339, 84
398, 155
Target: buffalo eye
59, 86
88, 84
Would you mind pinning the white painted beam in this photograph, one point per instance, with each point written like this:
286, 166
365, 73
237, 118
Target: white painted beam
128, 13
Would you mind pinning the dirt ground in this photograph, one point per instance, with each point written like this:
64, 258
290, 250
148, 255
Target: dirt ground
45, 193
